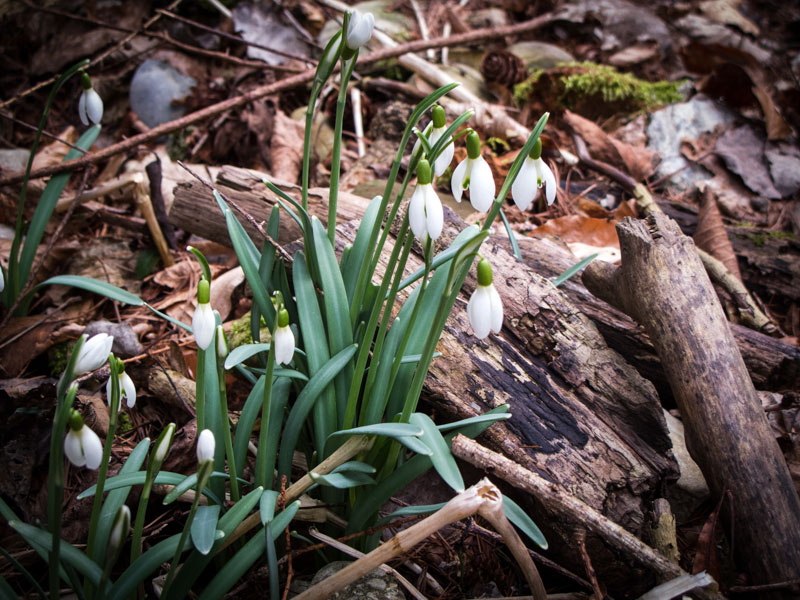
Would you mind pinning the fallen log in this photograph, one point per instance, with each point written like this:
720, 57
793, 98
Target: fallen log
663, 285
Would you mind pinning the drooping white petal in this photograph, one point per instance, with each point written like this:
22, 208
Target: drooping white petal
2, 280
496, 309
92, 448
94, 353
72, 448
126, 385
203, 325
457, 180
359, 29
206, 445
481, 185
479, 312
416, 213
433, 212
82, 109
284, 345
544, 173
524, 188
444, 159
120, 528
93, 106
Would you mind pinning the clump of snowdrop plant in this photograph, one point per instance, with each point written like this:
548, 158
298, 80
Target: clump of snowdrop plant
338, 380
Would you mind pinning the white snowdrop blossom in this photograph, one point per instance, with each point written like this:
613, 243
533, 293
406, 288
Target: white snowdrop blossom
122, 524
205, 446
203, 322
81, 445
434, 131
474, 173
359, 30
163, 444
485, 309
93, 353
283, 339
126, 388
90, 104
425, 215
532, 175
222, 344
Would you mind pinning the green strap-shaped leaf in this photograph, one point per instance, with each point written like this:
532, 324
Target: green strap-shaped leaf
487, 418
521, 519
573, 269
96, 287
117, 497
138, 478
69, 553
230, 572
305, 401
343, 481
47, 204
241, 353
358, 253
441, 457
393, 430
144, 566
251, 411
204, 528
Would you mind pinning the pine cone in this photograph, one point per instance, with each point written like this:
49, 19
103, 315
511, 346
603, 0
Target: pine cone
503, 67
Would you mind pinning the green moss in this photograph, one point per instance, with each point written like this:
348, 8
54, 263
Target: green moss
58, 356
124, 424
595, 90
524, 90
240, 332
757, 238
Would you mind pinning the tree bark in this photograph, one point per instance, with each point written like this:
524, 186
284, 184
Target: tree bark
663, 285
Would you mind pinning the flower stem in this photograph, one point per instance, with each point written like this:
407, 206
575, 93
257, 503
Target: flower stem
333, 196
226, 430
263, 469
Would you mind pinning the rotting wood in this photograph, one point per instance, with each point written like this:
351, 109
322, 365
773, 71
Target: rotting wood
663, 285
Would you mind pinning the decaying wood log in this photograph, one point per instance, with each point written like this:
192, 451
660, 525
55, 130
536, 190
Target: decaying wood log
774, 365
663, 285
195, 210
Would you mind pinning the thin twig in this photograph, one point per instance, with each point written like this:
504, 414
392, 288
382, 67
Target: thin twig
46, 134
293, 81
95, 61
234, 38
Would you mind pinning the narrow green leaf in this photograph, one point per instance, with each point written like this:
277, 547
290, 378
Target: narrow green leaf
305, 401
458, 425
204, 527
354, 466
573, 270
144, 566
521, 519
69, 553
342, 481
511, 237
269, 500
360, 252
442, 459
393, 430
410, 511
138, 478
47, 204
251, 411
96, 287
241, 353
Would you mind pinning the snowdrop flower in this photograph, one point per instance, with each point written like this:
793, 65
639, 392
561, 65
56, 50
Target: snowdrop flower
164, 442
122, 524
2, 280
434, 131
425, 214
81, 445
205, 446
222, 344
485, 309
90, 105
474, 173
359, 30
283, 339
532, 175
126, 388
203, 321
94, 353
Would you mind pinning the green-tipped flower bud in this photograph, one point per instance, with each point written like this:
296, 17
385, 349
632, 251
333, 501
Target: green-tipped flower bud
330, 56
484, 272
424, 172
163, 443
122, 524
222, 344
86, 81
439, 116
75, 420
283, 317
203, 292
473, 145
536, 151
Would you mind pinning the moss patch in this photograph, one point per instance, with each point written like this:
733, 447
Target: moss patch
595, 91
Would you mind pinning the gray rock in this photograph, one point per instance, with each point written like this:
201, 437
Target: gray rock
685, 120
13, 159
126, 344
784, 167
375, 585
261, 23
539, 55
157, 92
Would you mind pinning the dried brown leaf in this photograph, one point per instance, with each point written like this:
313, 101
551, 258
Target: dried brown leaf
711, 235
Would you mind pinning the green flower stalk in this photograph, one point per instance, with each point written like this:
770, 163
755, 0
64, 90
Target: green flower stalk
222, 353
157, 457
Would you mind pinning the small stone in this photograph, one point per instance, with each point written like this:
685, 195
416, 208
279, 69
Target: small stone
375, 585
158, 91
126, 344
